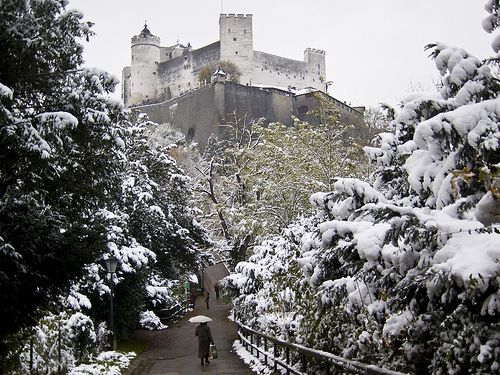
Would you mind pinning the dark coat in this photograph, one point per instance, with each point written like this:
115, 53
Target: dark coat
204, 339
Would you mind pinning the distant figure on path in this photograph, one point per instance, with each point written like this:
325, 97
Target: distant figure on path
216, 288
192, 299
207, 299
204, 340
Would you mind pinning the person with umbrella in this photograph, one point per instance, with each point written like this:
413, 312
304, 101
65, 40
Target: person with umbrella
204, 337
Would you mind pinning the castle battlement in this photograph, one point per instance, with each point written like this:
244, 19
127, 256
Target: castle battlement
314, 50
145, 39
234, 15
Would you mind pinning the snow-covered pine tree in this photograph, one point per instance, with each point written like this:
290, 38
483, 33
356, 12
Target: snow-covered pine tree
397, 273
152, 230
67, 160
58, 142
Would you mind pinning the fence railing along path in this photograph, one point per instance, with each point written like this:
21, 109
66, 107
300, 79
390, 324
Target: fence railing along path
296, 359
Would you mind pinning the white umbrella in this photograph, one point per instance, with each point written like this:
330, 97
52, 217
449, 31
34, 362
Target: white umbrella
200, 319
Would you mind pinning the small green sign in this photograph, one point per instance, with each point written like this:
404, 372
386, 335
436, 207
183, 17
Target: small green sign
186, 285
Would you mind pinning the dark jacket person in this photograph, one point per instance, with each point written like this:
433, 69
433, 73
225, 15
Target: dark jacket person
204, 339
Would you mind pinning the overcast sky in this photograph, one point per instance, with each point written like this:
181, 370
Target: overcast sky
374, 48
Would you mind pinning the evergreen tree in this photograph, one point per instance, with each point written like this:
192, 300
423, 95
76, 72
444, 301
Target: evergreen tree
58, 141
79, 183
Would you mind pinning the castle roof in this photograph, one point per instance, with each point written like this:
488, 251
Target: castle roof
145, 31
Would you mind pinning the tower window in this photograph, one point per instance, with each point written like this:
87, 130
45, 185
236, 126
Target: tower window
234, 39
236, 52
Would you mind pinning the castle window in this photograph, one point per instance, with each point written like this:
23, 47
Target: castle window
303, 110
229, 31
236, 52
234, 39
190, 134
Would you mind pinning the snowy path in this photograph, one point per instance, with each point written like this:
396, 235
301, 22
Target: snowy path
173, 351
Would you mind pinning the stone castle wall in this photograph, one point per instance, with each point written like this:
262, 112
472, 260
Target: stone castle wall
279, 71
199, 112
179, 75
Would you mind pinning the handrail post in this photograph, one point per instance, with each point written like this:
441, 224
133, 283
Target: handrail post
245, 334
327, 368
275, 354
251, 343
287, 354
257, 345
265, 351
304, 362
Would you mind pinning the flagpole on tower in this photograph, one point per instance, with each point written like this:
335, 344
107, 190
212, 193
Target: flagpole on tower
222, 6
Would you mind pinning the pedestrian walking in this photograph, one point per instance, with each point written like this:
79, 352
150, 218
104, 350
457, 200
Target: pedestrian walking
207, 300
216, 288
204, 340
192, 299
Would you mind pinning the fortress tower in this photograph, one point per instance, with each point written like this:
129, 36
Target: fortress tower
144, 67
315, 59
236, 43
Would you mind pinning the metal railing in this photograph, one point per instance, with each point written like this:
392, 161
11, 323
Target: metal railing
166, 315
295, 358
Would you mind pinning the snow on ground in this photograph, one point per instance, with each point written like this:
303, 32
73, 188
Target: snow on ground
107, 363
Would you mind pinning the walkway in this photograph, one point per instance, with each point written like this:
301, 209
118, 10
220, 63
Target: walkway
174, 351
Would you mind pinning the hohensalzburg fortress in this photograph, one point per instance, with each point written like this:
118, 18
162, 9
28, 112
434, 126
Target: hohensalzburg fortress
159, 73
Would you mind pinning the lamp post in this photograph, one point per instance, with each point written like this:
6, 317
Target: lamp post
111, 264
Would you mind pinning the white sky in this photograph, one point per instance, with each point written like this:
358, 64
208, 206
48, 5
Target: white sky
374, 48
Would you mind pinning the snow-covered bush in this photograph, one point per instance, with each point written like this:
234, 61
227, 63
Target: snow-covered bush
108, 363
149, 320
58, 342
398, 272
